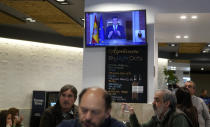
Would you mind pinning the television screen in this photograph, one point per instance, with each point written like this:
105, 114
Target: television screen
52, 103
122, 28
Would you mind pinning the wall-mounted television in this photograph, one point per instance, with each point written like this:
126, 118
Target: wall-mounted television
118, 28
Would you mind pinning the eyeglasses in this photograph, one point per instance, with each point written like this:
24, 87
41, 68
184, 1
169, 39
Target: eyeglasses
188, 86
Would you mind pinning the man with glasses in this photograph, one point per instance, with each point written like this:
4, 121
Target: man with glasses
203, 113
64, 108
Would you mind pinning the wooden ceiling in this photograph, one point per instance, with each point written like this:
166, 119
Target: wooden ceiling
191, 53
191, 48
43, 12
5, 18
185, 48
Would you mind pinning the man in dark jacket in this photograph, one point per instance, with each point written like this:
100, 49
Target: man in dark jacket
166, 114
94, 110
115, 31
64, 109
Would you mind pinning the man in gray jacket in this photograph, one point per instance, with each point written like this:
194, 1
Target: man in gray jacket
203, 112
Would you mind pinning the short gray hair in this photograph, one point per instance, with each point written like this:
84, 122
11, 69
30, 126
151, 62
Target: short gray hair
169, 96
191, 82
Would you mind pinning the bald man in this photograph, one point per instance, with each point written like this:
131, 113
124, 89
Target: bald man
94, 110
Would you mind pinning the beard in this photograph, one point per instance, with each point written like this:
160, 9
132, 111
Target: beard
89, 123
8, 125
158, 111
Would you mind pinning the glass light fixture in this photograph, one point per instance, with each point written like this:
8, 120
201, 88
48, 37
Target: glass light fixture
183, 17
186, 36
194, 17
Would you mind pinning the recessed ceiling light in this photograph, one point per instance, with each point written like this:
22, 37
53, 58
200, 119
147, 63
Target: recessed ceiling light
60, 0
202, 69
178, 36
172, 45
186, 36
194, 17
173, 68
208, 45
64, 3
204, 51
183, 17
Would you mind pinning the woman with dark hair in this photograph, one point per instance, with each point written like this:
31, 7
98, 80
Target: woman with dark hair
16, 119
184, 103
5, 119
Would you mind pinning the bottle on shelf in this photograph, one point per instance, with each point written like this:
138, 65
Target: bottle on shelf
134, 88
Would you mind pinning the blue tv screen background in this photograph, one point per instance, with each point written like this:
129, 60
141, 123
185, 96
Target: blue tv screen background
131, 28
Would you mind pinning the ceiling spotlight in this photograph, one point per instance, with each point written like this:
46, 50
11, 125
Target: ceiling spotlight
202, 69
194, 17
30, 20
178, 36
204, 51
64, 3
172, 44
186, 36
173, 68
183, 17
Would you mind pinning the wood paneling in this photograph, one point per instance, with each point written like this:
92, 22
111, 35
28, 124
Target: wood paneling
8, 19
162, 44
191, 48
46, 13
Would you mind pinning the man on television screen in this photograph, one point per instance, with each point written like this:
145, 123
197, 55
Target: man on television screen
115, 31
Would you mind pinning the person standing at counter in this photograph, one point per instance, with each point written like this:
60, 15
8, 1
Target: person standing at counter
115, 31
64, 109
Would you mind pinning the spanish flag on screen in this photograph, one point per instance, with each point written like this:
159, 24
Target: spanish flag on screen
95, 32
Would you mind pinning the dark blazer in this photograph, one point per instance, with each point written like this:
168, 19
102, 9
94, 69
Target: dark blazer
53, 116
115, 35
109, 122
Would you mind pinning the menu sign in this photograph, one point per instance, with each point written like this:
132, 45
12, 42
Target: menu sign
126, 74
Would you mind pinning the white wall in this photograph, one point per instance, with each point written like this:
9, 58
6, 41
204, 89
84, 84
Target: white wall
153, 7
27, 66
